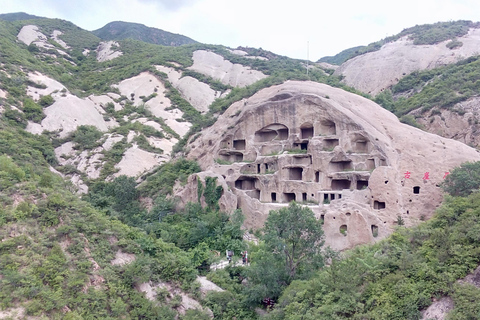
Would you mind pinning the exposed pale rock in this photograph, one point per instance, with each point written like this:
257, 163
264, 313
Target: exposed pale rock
69, 112
55, 36
374, 71
164, 144
53, 87
105, 51
357, 156
102, 101
462, 122
29, 34
3, 94
136, 161
146, 84
122, 258
207, 285
111, 140
197, 93
215, 66
438, 309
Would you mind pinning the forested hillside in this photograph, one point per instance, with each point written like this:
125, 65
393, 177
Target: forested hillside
82, 239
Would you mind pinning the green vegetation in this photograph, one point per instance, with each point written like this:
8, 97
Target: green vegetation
396, 278
463, 180
86, 137
441, 88
119, 30
420, 34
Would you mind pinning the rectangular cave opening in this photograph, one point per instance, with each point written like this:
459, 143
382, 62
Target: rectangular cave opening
239, 144
383, 163
295, 173
340, 166
374, 230
340, 184
258, 168
304, 197
379, 205
282, 134
416, 190
306, 133
289, 196
361, 146
317, 176
362, 184
265, 136
327, 127
245, 184
330, 144
274, 197
302, 159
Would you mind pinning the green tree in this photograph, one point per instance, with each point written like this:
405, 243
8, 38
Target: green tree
293, 239
295, 235
463, 180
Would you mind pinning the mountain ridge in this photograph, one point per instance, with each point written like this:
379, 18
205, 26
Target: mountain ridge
119, 30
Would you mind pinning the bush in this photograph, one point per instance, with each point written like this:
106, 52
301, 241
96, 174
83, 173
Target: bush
86, 137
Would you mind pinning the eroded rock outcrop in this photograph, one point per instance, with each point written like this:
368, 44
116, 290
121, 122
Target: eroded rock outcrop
374, 71
351, 161
215, 66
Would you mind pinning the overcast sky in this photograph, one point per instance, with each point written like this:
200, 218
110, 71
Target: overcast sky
291, 28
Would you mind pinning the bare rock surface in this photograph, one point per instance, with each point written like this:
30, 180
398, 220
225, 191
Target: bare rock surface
29, 34
122, 258
462, 122
197, 93
374, 71
69, 112
55, 36
351, 161
150, 289
106, 52
207, 285
136, 161
145, 84
215, 66
53, 87
438, 309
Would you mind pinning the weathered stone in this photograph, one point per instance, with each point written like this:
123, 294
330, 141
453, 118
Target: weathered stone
351, 161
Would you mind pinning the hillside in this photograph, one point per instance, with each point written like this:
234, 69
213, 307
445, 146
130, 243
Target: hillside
119, 30
128, 169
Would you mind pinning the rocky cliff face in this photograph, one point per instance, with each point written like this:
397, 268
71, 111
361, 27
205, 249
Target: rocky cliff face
352, 162
374, 71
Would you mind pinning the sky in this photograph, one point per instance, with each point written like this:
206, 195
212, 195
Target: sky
301, 29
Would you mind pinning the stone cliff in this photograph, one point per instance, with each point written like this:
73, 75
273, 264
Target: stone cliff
351, 161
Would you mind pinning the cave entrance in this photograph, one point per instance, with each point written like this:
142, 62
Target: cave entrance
295, 173
245, 183
340, 184
239, 144
340, 166
327, 127
379, 205
362, 184
306, 131
271, 132
288, 197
